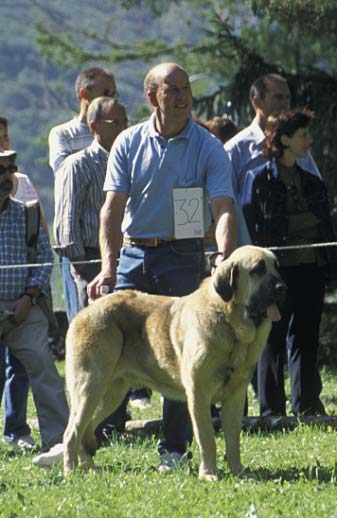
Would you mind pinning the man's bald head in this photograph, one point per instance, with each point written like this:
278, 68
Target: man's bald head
158, 73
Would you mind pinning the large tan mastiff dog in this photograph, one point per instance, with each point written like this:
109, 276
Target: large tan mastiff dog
201, 348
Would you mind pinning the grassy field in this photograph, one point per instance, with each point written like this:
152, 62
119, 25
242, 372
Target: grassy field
295, 476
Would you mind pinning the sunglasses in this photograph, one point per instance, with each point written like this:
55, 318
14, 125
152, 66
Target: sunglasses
11, 168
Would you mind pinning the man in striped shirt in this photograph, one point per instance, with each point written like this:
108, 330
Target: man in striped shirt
79, 193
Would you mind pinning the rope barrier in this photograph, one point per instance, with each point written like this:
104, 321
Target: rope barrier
92, 261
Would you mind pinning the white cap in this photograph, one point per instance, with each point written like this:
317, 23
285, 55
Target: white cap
7, 153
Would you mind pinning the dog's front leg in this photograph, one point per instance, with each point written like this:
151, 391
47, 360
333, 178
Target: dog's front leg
231, 422
199, 409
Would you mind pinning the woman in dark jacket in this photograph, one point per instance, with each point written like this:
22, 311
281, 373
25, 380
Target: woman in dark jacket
286, 206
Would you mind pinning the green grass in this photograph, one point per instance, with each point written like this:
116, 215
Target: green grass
295, 476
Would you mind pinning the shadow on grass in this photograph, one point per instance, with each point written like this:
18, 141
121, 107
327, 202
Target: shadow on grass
309, 473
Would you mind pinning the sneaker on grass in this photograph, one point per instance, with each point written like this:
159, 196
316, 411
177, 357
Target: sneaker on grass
25, 442
50, 457
171, 460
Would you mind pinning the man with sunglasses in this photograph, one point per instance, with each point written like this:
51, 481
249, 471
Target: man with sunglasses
23, 325
74, 135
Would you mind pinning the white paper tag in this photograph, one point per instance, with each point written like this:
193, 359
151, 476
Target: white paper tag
188, 213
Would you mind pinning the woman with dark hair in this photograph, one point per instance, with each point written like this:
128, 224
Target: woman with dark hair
284, 205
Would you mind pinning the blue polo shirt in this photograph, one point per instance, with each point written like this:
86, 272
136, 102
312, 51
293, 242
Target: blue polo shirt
148, 167
245, 153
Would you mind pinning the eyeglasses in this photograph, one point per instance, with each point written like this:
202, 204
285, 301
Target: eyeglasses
116, 122
111, 93
11, 168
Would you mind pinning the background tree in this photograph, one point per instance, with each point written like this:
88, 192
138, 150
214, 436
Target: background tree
224, 44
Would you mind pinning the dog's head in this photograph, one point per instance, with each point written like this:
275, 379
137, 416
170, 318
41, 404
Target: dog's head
250, 277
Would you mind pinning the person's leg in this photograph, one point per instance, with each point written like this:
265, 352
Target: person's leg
2, 368
15, 400
29, 343
69, 289
176, 270
303, 342
270, 369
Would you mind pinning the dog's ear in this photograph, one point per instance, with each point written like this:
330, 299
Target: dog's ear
225, 281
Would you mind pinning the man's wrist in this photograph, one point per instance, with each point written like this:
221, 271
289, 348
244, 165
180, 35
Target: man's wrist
32, 293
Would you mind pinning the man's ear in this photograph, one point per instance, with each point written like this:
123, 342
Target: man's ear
151, 97
83, 93
256, 102
92, 125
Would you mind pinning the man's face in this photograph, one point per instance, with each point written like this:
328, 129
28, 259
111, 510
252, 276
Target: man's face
4, 137
114, 121
7, 169
103, 86
173, 97
276, 100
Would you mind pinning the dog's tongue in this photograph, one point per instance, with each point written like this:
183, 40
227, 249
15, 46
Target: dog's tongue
273, 313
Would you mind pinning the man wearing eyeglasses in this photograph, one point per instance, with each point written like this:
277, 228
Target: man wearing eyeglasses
79, 193
75, 134
23, 324
72, 136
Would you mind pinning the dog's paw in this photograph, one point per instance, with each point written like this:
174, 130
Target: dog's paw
209, 477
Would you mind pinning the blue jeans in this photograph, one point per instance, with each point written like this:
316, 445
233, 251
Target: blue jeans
173, 269
15, 399
69, 289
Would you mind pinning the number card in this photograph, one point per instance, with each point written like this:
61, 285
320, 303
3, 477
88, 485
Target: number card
188, 213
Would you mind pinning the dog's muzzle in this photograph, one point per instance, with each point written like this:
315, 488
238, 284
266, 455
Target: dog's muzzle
265, 302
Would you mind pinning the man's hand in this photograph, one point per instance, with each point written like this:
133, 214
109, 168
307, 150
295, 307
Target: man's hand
21, 308
102, 279
79, 268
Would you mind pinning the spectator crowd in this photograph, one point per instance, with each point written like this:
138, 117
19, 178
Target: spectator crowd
119, 225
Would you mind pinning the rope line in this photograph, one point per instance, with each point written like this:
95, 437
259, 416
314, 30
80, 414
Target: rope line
92, 261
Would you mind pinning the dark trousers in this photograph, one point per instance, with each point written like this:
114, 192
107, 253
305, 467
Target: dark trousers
172, 269
296, 338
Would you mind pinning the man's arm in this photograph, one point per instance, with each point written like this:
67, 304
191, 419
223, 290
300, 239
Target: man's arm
111, 218
223, 212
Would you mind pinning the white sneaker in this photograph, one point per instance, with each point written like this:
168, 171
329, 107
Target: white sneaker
50, 457
171, 460
26, 442
141, 403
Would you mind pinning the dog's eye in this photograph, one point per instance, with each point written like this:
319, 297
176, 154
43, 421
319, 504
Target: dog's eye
260, 269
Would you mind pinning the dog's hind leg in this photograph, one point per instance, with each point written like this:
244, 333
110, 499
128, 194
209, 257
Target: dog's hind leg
231, 422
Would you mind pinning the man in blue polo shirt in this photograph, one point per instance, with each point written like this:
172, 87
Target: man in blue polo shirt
161, 175
269, 95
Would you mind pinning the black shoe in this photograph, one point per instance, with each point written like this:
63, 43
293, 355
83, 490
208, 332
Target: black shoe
317, 409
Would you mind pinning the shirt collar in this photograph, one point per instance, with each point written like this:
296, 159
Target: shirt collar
97, 148
257, 131
185, 134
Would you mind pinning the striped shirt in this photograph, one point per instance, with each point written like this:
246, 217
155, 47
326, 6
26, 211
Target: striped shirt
66, 139
79, 197
13, 251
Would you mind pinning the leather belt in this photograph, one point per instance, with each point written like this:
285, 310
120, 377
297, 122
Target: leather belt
146, 241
